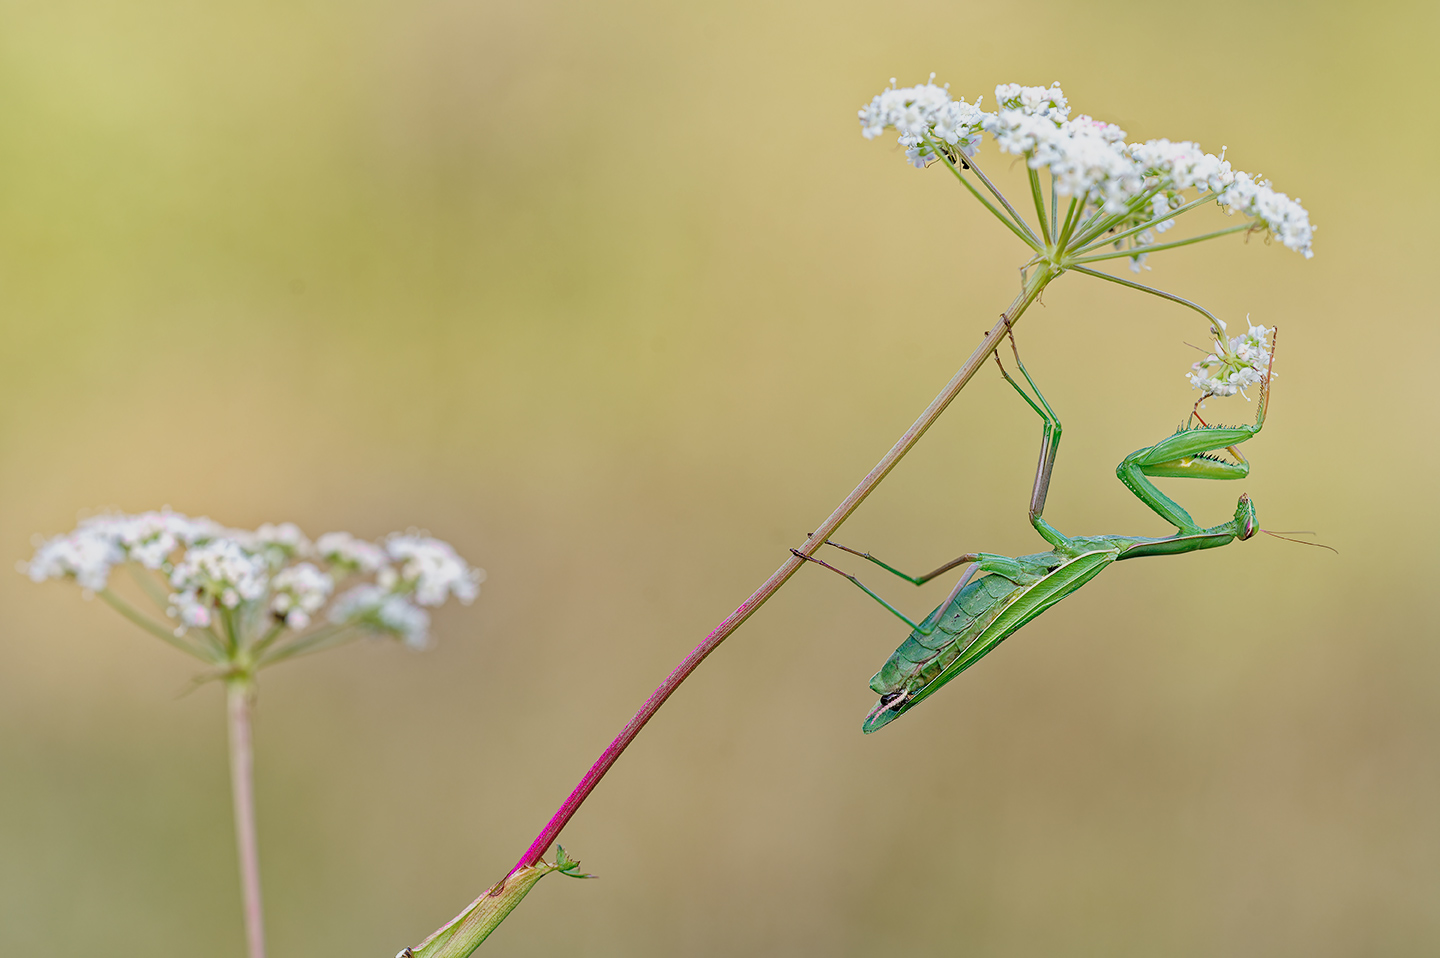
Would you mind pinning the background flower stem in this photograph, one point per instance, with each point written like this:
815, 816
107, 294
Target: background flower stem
240, 695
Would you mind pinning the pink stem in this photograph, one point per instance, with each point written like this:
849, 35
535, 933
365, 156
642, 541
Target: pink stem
242, 784
731, 622
652, 705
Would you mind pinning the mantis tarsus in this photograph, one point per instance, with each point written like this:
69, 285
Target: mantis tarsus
980, 613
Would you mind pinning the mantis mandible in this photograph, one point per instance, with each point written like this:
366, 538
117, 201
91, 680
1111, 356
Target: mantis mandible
980, 613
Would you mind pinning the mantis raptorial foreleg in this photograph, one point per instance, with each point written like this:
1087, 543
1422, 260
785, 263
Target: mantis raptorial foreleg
1185, 456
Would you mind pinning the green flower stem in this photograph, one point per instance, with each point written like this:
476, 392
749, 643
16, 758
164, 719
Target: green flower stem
149, 586
266, 640
1019, 229
1054, 205
1215, 323
1020, 220
1092, 243
231, 633
1135, 251
325, 637
1088, 223
161, 598
216, 644
155, 628
1072, 219
1039, 198
1101, 221
240, 699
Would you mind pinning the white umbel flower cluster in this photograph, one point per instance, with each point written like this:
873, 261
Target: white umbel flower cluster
1088, 158
921, 113
267, 578
1236, 364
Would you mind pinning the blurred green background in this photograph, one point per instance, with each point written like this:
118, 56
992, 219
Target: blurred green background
616, 298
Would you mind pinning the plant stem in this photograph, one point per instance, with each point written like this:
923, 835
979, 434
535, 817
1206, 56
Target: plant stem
154, 628
551, 831
1072, 219
325, 637
1055, 208
1215, 323
1016, 226
1046, 233
1098, 241
970, 162
1157, 247
240, 697
1100, 221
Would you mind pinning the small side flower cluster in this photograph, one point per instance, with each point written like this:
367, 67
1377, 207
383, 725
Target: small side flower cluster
1088, 158
239, 586
1236, 364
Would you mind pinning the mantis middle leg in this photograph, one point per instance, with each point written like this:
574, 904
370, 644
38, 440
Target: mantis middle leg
1050, 430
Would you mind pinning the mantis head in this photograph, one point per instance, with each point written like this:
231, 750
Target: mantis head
1245, 519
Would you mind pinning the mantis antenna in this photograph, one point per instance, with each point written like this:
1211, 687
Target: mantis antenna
1318, 545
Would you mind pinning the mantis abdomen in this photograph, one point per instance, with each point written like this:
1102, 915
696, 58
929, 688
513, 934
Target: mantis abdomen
920, 658
981, 616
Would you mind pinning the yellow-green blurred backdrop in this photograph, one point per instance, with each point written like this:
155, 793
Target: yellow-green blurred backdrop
616, 298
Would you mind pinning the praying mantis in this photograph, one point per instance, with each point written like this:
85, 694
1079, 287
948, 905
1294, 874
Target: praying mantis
980, 613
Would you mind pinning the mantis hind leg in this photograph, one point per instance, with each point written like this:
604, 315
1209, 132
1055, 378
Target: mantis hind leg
912, 579
979, 562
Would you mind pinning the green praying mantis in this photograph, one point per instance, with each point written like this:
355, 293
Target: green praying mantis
980, 613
